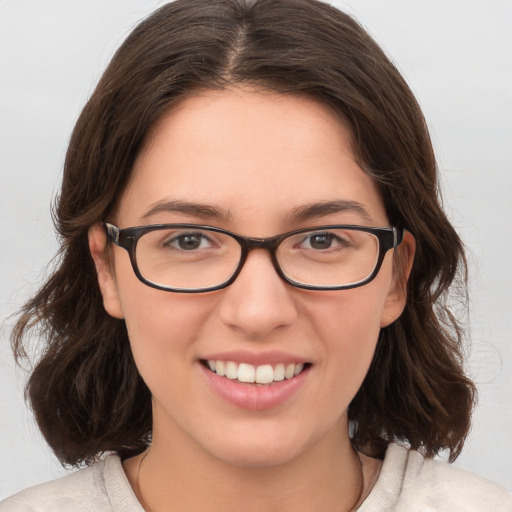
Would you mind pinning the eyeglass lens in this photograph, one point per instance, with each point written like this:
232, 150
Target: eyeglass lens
193, 258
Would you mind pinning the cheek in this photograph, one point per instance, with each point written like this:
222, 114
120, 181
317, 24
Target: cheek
348, 328
350, 318
162, 328
353, 339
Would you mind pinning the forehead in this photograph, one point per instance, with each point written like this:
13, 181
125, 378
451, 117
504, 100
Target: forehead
251, 153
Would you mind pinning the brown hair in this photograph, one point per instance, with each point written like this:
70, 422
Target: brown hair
85, 390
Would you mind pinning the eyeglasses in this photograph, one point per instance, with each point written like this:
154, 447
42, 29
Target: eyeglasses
189, 258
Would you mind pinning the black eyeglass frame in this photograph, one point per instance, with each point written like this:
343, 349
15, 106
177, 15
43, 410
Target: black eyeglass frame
127, 238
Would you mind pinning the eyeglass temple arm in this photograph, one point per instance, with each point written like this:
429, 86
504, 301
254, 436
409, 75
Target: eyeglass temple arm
398, 236
112, 232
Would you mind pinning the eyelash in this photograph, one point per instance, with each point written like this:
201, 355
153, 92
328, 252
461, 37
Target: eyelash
176, 239
340, 242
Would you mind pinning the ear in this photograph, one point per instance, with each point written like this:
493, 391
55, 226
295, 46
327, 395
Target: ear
104, 270
402, 265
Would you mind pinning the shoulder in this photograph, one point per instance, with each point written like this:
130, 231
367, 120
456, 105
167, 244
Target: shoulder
448, 487
102, 486
408, 481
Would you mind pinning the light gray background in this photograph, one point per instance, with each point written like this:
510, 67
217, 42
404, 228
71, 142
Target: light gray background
455, 54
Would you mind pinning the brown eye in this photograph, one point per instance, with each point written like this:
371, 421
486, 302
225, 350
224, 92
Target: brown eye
324, 240
321, 241
188, 242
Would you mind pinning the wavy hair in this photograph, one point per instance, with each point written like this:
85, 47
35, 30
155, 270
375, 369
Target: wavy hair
85, 390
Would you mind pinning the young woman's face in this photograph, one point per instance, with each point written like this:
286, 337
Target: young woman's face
250, 162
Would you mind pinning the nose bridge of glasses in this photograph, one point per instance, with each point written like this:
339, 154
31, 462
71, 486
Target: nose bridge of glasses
259, 243
248, 244
266, 244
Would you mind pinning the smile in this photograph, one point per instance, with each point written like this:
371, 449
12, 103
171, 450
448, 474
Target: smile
248, 373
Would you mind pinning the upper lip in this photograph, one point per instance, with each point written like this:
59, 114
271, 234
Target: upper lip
256, 358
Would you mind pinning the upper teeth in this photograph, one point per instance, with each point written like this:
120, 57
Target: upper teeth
264, 374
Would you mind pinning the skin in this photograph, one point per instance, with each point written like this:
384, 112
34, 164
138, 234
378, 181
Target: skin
256, 156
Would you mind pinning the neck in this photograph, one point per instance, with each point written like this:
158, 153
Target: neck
180, 476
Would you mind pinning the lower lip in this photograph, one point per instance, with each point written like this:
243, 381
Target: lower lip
254, 397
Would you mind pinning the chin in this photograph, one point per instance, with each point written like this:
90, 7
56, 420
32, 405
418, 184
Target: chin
258, 451
258, 457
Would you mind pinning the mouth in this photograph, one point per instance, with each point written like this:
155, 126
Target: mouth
246, 373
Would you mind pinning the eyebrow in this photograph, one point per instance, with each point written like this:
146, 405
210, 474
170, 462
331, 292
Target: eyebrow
321, 209
299, 214
193, 209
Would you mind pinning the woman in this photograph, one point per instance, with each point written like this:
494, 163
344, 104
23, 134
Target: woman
253, 259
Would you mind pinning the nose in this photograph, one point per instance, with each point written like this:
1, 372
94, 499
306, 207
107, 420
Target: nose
259, 301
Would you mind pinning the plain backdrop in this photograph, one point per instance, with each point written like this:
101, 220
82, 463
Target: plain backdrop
456, 56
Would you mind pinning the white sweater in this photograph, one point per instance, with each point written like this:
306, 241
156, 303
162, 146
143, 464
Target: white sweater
407, 483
